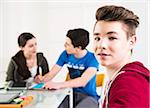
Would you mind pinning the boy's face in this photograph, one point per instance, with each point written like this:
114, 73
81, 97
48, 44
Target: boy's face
69, 46
111, 44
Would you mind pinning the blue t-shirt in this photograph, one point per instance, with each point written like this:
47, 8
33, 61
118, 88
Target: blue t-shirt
77, 67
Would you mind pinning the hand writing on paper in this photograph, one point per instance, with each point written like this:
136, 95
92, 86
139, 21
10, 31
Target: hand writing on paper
38, 79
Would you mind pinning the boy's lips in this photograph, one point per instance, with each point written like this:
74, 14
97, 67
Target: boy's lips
103, 54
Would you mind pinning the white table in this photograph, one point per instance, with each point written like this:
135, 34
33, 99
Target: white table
45, 98
49, 99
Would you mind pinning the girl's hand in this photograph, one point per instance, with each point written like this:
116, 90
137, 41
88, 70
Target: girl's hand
38, 79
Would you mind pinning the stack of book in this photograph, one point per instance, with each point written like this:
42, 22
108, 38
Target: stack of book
17, 102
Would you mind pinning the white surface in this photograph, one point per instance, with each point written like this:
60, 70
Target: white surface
45, 99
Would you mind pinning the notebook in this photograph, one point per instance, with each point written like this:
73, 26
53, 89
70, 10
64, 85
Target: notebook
6, 98
11, 85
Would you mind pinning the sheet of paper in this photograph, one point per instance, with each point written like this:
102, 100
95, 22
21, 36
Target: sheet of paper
37, 86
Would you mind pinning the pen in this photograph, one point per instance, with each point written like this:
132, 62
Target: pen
40, 71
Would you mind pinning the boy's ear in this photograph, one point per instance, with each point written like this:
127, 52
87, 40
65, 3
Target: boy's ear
78, 48
132, 41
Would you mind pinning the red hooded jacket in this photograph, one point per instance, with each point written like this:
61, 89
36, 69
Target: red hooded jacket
131, 88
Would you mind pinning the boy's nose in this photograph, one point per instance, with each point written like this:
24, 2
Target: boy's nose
102, 44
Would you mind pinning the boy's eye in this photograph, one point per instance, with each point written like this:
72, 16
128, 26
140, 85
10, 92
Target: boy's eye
97, 38
112, 38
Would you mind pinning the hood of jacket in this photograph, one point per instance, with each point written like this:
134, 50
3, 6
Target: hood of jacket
20, 60
137, 67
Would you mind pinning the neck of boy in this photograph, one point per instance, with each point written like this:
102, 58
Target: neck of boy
81, 53
112, 71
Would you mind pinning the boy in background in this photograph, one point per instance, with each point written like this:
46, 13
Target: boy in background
82, 66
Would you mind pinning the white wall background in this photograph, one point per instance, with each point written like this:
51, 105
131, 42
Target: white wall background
50, 20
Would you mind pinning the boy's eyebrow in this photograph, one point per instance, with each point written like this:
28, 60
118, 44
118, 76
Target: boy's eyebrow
111, 32
66, 43
96, 33
108, 33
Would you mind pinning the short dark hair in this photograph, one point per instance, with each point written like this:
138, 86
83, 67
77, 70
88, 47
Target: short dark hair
119, 13
23, 38
79, 37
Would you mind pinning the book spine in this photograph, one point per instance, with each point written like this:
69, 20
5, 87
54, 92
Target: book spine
11, 106
25, 102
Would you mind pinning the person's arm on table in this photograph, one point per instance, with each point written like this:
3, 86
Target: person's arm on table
73, 83
50, 75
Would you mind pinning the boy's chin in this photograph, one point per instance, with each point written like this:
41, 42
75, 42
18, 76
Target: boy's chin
68, 52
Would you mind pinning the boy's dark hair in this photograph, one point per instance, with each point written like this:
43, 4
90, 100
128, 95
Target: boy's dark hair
23, 38
118, 13
79, 37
